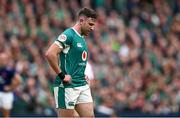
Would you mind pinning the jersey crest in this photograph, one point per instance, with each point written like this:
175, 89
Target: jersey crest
62, 37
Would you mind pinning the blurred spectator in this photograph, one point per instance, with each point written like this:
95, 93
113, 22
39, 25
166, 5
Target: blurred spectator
9, 81
135, 53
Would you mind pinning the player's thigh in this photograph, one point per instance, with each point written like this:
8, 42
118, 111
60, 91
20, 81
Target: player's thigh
65, 112
65, 99
84, 105
85, 109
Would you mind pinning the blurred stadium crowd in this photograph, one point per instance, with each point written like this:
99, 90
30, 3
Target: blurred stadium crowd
134, 51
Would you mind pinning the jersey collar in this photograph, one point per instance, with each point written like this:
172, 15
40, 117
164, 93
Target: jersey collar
77, 33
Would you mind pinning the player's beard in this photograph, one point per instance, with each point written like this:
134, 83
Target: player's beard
84, 31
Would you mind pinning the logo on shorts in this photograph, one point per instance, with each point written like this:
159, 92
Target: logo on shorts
71, 103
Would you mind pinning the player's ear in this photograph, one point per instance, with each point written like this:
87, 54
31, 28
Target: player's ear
81, 20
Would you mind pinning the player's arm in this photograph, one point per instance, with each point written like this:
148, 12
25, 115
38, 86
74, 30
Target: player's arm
52, 58
16, 81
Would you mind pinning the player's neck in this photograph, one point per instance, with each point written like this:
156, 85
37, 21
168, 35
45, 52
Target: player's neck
77, 27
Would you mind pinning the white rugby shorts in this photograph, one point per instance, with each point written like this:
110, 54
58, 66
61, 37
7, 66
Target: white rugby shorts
67, 98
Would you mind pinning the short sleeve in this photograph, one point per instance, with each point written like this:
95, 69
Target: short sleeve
64, 40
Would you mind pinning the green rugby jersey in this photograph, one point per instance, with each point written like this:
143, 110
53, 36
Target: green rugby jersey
73, 58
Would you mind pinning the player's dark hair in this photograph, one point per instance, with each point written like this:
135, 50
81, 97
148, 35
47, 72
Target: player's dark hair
88, 13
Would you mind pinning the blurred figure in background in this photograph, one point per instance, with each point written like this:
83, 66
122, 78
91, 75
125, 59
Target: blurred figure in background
89, 73
9, 80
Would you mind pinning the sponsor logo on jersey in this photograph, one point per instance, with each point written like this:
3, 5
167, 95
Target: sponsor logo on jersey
84, 55
62, 37
82, 64
79, 45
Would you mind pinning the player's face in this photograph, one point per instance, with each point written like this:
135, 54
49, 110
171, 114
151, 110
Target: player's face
88, 26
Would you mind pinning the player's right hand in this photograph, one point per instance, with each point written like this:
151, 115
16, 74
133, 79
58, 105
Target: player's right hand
67, 79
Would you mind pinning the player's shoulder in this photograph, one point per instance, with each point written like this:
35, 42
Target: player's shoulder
68, 31
65, 35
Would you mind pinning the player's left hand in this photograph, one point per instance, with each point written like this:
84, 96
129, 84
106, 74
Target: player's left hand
87, 79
